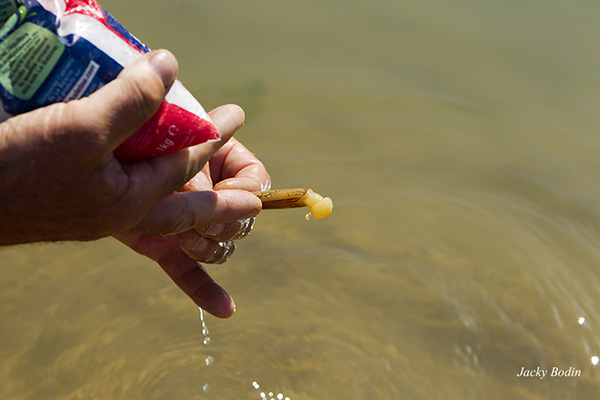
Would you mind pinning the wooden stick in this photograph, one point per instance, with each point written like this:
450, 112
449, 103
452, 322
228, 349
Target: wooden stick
282, 198
293, 198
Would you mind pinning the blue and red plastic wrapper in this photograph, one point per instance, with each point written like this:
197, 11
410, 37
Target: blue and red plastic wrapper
60, 50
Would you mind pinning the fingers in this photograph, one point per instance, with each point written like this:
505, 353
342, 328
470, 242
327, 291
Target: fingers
204, 249
248, 183
214, 244
158, 177
190, 276
200, 181
193, 279
232, 231
123, 105
95, 125
235, 167
228, 119
181, 211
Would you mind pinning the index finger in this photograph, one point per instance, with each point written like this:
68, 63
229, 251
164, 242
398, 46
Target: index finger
194, 280
235, 167
158, 177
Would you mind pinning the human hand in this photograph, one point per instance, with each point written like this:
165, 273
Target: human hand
232, 168
59, 179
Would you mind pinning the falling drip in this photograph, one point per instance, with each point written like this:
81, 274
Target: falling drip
205, 331
209, 360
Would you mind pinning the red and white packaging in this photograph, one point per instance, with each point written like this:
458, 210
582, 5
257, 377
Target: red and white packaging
90, 39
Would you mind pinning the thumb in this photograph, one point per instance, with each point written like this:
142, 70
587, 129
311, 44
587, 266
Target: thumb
181, 211
124, 104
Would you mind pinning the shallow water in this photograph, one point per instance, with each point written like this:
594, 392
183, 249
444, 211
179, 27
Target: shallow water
459, 143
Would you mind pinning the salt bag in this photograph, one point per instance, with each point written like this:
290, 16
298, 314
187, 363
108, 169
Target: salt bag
60, 50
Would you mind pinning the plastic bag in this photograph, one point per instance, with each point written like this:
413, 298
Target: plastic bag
59, 50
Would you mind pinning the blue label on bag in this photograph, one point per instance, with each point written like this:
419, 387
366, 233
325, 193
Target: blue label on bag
38, 68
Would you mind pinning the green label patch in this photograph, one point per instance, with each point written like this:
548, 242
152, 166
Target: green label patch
7, 8
27, 57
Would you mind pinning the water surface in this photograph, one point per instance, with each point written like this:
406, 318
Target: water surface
459, 143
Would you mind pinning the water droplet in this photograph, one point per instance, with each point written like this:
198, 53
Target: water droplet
205, 331
595, 360
205, 387
209, 361
255, 385
581, 320
308, 216
280, 396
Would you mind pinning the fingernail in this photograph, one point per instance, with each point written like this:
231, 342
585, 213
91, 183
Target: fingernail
215, 230
200, 245
164, 64
228, 304
193, 242
253, 213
